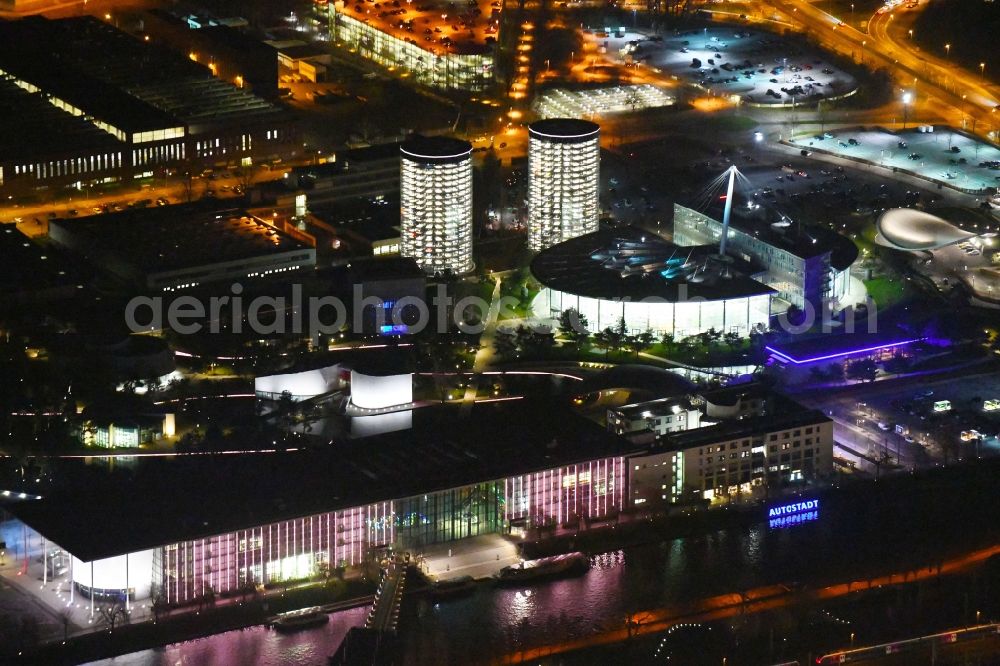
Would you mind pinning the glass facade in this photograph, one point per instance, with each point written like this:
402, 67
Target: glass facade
563, 181
681, 319
304, 547
434, 68
796, 279
436, 212
452, 514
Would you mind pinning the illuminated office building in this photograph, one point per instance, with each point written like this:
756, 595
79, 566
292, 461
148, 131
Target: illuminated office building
801, 263
564, 160
436, 203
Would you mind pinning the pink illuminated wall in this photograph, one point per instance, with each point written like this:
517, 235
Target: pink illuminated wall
278, 551
299, 548
565, 494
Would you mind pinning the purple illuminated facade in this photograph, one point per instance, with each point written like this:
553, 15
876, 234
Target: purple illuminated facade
303, 547
805, 359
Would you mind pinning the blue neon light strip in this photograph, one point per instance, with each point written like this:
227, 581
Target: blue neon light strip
786, 357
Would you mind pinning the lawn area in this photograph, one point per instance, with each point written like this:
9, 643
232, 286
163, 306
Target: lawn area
727, 123
522, 287
886, 291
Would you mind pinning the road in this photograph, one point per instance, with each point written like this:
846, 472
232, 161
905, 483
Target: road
930, 77
32, 219
887, 28
856, 410
752, 601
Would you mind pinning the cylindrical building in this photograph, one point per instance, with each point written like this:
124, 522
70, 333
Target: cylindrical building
436, 203
564, 161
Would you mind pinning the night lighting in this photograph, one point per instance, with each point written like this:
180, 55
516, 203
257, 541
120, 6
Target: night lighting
785, 357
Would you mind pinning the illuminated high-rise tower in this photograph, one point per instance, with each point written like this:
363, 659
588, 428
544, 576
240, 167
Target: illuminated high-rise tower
436, 203
564, 162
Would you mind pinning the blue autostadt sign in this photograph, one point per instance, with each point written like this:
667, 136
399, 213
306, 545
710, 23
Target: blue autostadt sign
795, 513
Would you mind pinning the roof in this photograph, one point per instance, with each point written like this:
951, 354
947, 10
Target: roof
169, 238
627, 263
95, 512
731, 395
35, 130
564, 130
466, 30
377, 359
300, 51
131, 84
653, 407
419, 148
832, 348
908, 229
658, 380
746, 427
802, 240
47, 266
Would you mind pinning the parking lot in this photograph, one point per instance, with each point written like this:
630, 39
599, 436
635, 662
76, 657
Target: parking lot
901, 419
757, 67
942, 155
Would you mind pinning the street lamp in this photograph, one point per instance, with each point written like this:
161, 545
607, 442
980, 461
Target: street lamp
982, 71
907, 98
947, 51
911, 33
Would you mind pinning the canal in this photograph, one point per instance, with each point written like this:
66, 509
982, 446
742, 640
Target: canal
862, 531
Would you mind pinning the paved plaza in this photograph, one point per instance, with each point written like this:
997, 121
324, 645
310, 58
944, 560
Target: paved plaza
479, 557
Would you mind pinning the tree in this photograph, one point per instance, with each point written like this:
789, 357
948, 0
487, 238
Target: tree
614, 337
113, 615
159, 606
641, 342
668, 341
65, 617
244, 179
603, 339
505, 343
897, 364
835, 372
864, 370
732, 339
573, 326
534, 341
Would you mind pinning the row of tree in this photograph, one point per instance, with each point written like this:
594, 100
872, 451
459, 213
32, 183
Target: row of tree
573, 328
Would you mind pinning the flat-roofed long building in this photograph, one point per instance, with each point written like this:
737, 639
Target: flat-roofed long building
166, 249
742, 443
162, 111
450, 48
227, 523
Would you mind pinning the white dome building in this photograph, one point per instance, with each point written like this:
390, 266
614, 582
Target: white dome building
914, 230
